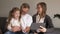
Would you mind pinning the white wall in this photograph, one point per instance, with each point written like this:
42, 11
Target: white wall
53, 7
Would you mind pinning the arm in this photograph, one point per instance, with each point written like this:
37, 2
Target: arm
27, 29
9, 27
13, 28
29, 22
49, 24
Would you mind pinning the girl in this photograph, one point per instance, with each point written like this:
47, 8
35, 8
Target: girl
13, 22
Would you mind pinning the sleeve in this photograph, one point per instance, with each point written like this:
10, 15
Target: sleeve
29, 21
50, 27
34, 18
49, 21
9, 27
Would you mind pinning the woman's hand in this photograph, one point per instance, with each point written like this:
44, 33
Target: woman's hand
43, 29
16, 28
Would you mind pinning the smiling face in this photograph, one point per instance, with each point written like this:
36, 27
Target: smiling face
16, 14
39, 9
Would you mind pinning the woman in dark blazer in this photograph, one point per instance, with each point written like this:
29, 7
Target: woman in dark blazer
42, 17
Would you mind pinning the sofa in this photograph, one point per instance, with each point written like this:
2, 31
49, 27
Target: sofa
3, 27
2, 24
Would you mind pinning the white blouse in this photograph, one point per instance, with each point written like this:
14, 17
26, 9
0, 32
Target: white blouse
39, 20
13, 22
26, 21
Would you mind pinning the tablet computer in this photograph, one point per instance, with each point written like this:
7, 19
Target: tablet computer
35, 26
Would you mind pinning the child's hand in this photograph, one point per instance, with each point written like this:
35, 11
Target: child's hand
19, 28
27, 29
16, 28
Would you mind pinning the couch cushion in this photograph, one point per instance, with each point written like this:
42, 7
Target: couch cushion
3, 23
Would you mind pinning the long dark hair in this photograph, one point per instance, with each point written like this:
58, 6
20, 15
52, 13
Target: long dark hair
44, 8
11, 16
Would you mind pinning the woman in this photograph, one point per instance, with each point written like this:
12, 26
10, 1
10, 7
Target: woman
42, 17
26, 19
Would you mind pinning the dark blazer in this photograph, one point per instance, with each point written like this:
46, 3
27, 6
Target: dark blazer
48, 22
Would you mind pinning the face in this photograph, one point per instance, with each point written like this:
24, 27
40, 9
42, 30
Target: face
16, 14
39, 9
25, 10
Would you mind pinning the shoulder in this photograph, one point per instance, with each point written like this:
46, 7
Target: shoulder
28, 16
47, 16
34, 15
12, 19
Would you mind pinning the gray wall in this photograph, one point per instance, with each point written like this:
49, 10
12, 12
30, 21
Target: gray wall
53, 7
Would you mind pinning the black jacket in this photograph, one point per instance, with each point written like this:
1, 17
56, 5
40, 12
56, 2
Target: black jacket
47, 20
